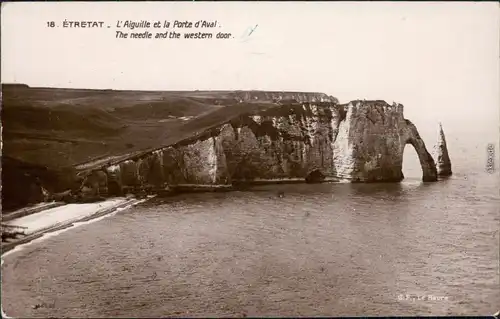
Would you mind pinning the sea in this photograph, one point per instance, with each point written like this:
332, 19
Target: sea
332, 249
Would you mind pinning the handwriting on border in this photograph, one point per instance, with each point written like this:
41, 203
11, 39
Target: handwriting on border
490, 161
412, 297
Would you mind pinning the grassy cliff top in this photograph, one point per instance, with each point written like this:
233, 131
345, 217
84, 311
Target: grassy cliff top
61, 127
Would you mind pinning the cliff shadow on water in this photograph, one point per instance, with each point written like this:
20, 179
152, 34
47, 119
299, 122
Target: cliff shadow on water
256, 138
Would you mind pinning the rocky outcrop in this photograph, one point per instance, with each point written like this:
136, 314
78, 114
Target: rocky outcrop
10, 232
22, 183
443, 163
362, 141
371, 142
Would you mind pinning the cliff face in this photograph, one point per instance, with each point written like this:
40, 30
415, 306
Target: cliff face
362, 141
372, 140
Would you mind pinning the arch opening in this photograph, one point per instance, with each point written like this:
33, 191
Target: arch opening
426, 162
411, 168
315, 176
114, 188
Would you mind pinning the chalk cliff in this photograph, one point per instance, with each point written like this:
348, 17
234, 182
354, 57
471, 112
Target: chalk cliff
315, 139
443, 162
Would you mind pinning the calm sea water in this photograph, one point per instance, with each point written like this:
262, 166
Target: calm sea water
327, 249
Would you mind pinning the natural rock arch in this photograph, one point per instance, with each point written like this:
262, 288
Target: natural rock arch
370, 144
429, 172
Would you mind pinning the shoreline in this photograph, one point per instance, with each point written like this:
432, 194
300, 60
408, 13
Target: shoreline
29, 210
173, 190
64, 217
26, 217
23, 217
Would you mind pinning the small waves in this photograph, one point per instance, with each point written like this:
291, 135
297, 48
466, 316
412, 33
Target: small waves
282, 250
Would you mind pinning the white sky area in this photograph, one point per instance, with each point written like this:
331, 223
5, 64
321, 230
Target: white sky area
440, 60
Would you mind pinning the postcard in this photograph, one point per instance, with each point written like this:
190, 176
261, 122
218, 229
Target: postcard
250, 159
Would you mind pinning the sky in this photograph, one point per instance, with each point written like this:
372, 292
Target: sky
440, 60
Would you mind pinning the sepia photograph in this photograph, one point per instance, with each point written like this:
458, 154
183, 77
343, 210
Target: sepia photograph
250, 159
